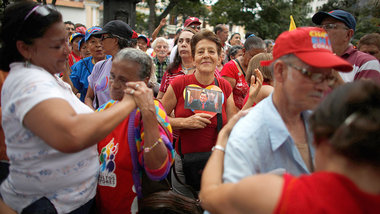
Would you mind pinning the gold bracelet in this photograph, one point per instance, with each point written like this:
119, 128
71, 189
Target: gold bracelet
148, 149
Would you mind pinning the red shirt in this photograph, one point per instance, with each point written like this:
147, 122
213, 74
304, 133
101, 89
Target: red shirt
73, 59
241, 87
115, 184
325, 192
198, 140
169, 76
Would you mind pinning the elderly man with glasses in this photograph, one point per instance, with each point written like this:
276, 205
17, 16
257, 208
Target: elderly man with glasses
340, 26
274, 136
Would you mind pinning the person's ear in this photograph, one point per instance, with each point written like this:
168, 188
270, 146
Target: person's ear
280, 70
350, 33
24, 49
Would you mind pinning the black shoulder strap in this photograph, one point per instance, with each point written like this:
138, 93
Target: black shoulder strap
242, 70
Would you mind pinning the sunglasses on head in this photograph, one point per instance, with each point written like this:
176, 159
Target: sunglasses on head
41, 10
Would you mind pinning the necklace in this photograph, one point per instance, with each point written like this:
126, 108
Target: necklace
186, 70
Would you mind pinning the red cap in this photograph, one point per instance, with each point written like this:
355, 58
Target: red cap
134, 35
81, 30
311, 45
192, 20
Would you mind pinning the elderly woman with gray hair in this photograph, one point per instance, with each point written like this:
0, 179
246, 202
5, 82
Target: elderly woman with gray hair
140, 145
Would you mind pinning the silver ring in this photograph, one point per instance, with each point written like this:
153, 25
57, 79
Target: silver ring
132, 91
137, 85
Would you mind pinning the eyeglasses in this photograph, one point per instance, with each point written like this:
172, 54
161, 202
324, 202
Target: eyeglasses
315, 77
333, 26
198, 27
106, 37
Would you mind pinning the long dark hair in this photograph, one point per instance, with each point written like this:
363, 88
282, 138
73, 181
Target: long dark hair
177, 58
21, 23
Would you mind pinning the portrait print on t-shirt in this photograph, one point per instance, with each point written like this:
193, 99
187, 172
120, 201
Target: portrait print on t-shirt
204, 100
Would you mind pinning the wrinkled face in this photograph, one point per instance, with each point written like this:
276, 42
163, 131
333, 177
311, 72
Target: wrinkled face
70, 29
51, 50
122, 71
94, 45
161, 49
184, 39
206, 56
235, 40
141, 43
300, 90
338, 34
203, 97
371, 49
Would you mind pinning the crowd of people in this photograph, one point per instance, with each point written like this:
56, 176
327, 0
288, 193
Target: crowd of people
100, 119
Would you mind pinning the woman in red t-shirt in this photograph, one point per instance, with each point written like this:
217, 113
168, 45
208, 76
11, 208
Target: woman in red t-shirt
346, 129
198, 131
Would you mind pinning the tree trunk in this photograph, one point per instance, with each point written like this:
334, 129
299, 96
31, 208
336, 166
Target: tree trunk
152, 16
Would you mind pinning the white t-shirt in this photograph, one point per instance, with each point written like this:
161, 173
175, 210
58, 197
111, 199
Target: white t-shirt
36, 169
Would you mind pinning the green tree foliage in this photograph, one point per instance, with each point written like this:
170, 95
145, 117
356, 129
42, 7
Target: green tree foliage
266, 18
175, 8
366, 13
189, 8
141, 23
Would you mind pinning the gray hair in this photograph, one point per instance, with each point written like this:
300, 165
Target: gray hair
254, 42
286, 58
138, 56
159, 39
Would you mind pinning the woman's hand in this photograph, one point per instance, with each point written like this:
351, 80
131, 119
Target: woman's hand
142, 95
197, 121
256, 83
254, 89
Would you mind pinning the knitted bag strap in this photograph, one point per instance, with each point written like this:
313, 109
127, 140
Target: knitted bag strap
133, 151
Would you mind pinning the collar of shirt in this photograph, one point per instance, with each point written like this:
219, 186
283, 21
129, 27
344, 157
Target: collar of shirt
277, 126
350, 49
156, 61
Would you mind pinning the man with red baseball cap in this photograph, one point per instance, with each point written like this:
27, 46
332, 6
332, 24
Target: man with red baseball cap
274, 135
193, 22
